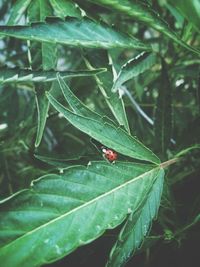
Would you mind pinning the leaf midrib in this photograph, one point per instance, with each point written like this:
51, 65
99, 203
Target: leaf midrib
82, 206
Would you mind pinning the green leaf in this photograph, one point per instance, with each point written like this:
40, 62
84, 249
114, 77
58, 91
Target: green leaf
74, 32
25, 75
42, 104
144, 13
105, 82
57, 162
44, 223
187, 150
106, 133
163, 115
49, 57
133, 68
17, 11
137, 225
65, 8
190, 10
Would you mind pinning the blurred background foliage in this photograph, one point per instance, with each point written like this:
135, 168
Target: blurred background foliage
174, 238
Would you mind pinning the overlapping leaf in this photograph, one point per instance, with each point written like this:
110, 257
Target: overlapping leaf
25, 75
65, 8
105, 82
102, 129
137, 226
133, 67
74, 32
44, 223
143, 12
17, 11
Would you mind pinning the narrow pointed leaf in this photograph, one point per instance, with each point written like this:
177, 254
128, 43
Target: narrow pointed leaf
17, 11
137, 225
143, 12
42, 110
49, 59
47, 219
106, 133
163, 116
77, 106
105, 82
74, 32
26, 75
49, 51
133, 68
65, 8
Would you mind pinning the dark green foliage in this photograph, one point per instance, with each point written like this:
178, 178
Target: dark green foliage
79, 77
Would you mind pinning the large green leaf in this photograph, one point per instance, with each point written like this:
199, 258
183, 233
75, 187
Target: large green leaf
44, 223
105, 82
143, 12
133, 68
103, 130
74, 32
163, 115
137, 226
25, 75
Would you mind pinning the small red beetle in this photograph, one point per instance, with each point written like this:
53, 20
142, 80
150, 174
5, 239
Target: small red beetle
109, 154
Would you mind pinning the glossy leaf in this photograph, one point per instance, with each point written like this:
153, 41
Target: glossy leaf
144, 13
137, 226
163, 115
133, 68
74, 32
25, 75
105, 82
65, 8
44, 223
106, 133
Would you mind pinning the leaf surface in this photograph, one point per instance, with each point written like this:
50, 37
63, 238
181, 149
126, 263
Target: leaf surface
133, 68
37, 76
106, 133
143, 12
74, 32
105, 82
44, 223
48, 59
17, 11
137, 226
65, 8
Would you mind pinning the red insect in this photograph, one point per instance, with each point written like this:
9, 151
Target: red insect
109, 154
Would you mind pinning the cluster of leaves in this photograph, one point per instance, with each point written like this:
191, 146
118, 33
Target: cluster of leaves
76, 75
